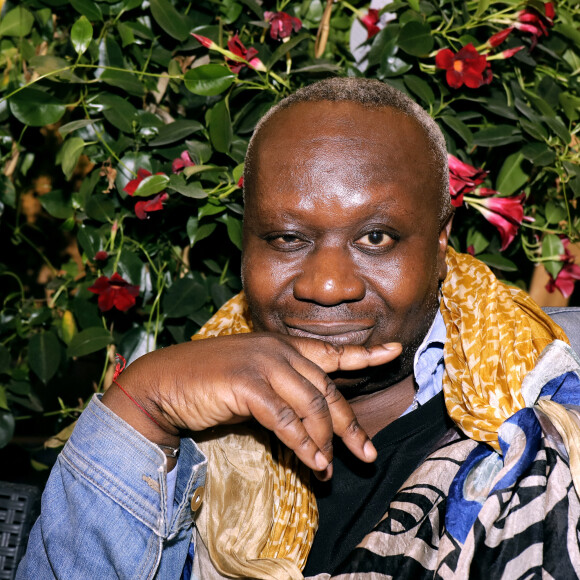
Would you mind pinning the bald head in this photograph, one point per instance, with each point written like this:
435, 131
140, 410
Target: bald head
370, 95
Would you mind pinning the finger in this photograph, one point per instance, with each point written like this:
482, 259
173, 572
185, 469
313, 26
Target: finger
279, 416
330, 357
344, 421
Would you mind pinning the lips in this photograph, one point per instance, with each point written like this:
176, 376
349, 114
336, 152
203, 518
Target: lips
339, 333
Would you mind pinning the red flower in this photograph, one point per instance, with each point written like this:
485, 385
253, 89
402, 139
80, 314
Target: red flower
282, 24
100, 256
184, 160
505, 213
500, 36
142, 208
567, 276
467, 66
508, 53
463, 179
204, 40
370, 21
236, 46
132, 186
114, 291
241, 182
532, 21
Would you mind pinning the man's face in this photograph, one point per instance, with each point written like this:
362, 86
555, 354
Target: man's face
342, 240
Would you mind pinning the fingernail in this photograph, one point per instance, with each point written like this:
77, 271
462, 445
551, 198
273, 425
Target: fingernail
392, 346
321, 461
369, 451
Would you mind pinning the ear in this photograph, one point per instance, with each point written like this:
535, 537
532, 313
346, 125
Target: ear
443, 242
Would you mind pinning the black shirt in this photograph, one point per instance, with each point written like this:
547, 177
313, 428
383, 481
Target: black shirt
358, 495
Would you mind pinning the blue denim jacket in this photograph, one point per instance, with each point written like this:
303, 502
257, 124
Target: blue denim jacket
104, 509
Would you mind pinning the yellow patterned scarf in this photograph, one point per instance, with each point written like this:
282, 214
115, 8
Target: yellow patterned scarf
495, 334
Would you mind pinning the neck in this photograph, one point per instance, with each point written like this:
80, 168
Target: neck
377, 410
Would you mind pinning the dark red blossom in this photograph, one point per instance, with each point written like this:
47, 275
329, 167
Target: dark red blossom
463, 178
535, 23
466, 66
370, 21
183, 161
236, 46
100, 256
241, 182
114, 292
142, 208
132, 186
567, 276
282, 24
509, 52
499, 37
505, 213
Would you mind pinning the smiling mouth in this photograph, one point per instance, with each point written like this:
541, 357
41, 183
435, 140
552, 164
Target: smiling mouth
339, 333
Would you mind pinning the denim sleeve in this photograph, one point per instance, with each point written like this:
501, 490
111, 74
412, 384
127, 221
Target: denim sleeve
104, 510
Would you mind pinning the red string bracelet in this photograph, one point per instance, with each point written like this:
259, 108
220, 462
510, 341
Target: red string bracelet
118, 370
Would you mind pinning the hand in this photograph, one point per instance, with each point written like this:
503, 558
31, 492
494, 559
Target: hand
281, 381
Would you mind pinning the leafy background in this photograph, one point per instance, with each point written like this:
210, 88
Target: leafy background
99, 96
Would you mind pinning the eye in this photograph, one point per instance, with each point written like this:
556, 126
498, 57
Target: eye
285, 242
375, 239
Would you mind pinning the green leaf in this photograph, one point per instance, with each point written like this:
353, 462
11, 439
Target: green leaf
7, 424
81, 35
124, 80
285, 48
193, 169
90, 240
569, 31
482, 7
459, 127
177, 183
176, 131
44, 354
3, 399
36, 108
16, 22
101, 208
183, 298
64, 130
130, 267
511, 175
539, 154
196, 232
5, 359
552, 247
220, 127
88, 341
499, 262
536, 130
175, 23
477, 240
151, 185
555, 212
69, 155
420, 87
556, 124
234, 227
570, 105
87, 8
496, 136
57, 204
415, 38
128, 167
209, 79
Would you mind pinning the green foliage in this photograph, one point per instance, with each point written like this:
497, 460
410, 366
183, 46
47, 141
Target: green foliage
112, 111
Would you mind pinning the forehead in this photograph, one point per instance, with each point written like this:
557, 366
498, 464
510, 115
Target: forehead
311, 148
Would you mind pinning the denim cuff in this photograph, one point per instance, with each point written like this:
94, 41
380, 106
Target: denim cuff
107, 452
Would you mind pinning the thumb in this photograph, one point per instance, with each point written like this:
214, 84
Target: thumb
331, 357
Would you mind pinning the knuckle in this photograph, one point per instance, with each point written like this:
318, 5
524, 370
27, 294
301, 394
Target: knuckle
353, 428
332, 393
285, 417
317, 405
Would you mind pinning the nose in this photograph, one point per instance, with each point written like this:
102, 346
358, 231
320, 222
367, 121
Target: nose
329, 277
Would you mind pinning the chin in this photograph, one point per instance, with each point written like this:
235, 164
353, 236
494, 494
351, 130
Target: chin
353, 384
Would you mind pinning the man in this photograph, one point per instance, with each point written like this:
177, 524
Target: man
347, 220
